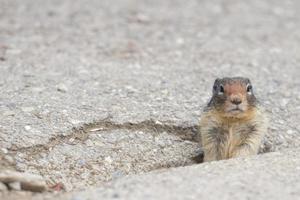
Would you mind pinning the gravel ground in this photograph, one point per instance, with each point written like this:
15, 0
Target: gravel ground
109, 155
249, 178
268, 176
143, 70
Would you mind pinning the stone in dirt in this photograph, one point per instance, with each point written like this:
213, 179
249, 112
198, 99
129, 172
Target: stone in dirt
14, 186
3, 187
31, 182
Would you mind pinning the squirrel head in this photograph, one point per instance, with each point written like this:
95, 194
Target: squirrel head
233, 97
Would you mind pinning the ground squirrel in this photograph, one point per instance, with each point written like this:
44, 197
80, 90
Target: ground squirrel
233, 122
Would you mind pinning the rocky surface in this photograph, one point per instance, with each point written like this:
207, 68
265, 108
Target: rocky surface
268, 176
250, 178
94, 90
108, 155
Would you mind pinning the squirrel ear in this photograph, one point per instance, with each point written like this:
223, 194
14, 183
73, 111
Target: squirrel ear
217, 81
215, 86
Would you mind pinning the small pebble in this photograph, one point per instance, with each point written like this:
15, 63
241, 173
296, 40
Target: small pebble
71, 140
4, 150
108, 160
89, 143
9, 159
74, 121
37, 89
81, 162
27, 109
3, 187
8, 113
62, 88
14, 186
160, 143
96, 129
141, 18
180, 41
117, 174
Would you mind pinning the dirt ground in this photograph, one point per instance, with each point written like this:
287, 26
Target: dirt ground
93, 92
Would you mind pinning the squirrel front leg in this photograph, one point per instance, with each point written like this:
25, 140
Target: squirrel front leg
255, 132
210, 152
249, 147
209, 131
243, 151
210, 147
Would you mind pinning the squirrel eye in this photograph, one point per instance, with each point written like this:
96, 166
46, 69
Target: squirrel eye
215, 88
221, 89
249, 88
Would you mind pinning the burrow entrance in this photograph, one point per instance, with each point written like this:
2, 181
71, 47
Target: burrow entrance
103, 151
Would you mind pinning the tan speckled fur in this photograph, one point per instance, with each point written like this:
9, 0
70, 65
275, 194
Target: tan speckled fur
225, 136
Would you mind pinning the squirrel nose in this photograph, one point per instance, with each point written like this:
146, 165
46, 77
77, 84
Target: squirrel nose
236, 101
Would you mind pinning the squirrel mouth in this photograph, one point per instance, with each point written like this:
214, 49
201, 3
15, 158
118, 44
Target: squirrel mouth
235, 110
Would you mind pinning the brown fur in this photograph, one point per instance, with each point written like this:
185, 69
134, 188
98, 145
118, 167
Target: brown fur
226, 133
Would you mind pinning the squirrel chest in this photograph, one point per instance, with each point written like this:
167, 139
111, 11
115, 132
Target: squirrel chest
224, 138
230, 136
